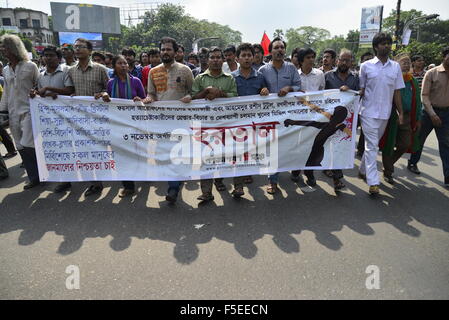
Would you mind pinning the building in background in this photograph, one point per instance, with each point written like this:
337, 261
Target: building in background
31, 24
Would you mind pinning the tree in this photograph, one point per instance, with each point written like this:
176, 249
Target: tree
171, 20
306, 37
430, 51
278, 33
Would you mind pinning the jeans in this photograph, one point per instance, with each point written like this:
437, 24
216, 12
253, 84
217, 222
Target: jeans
442, 136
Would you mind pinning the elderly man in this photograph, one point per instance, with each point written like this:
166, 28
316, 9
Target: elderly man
20, 77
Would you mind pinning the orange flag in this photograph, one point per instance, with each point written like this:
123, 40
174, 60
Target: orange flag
265, 43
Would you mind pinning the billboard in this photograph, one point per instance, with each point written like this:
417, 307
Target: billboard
70, 37
76, 17
371, 24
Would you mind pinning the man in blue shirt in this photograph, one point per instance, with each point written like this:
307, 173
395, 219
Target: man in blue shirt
281, 78
249, 82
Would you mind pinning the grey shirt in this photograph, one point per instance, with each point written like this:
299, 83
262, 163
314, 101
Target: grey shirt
287, 75
333, 81
58, 79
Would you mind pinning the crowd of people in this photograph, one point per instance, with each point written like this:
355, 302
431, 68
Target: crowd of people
401, 100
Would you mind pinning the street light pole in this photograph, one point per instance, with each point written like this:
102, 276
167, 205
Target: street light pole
410, 22
195, 43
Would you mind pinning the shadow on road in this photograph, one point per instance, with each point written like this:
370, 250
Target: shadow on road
239, 222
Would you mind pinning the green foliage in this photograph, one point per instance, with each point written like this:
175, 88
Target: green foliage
430, 51
172, 21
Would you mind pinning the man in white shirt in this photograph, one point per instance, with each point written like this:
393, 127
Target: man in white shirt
312, 79
231, 63
380, 82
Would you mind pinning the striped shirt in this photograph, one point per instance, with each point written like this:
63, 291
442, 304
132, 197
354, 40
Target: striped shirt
90, 81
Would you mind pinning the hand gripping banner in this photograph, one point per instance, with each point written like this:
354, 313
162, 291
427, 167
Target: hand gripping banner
83, 139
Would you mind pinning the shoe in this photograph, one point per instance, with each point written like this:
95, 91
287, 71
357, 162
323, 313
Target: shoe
126, 192
171, 196
362, 176
62, 187
237, 193
93, 190
374, 190
338, 185
31, 184
389, 179
220, 185
10, 155
294, 178
311, 181
446, 182
205, 197
272, 188
248, 180
328, 173
413, 168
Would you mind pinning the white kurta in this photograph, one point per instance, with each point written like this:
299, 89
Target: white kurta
380, 81
15, 100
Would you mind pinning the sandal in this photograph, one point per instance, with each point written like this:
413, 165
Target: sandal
339, 185
272, 188
237, 193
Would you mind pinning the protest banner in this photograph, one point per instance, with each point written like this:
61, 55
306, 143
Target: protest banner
83, 139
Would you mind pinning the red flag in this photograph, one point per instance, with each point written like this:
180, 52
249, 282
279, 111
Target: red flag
265, 43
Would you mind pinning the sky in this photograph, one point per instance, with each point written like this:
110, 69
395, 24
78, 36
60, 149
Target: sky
253, 17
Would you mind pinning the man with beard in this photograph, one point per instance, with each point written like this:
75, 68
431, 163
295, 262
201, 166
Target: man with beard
130, 56
281, 77
20, 77
342, 78
380, 82
170, 80
212, 84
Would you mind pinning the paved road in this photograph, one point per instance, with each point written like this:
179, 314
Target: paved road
302, 244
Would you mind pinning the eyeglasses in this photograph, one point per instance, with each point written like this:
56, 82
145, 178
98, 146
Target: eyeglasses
80, 47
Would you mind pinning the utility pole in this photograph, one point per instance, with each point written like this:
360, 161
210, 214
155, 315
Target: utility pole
398, 19
398, 24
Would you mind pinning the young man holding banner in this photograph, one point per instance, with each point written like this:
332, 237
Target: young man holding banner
210, 85
249, 82
380, 81
170, 80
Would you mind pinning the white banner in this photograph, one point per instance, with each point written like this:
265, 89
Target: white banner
83, 139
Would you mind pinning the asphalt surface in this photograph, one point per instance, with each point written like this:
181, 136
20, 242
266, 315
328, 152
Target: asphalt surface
302, 244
